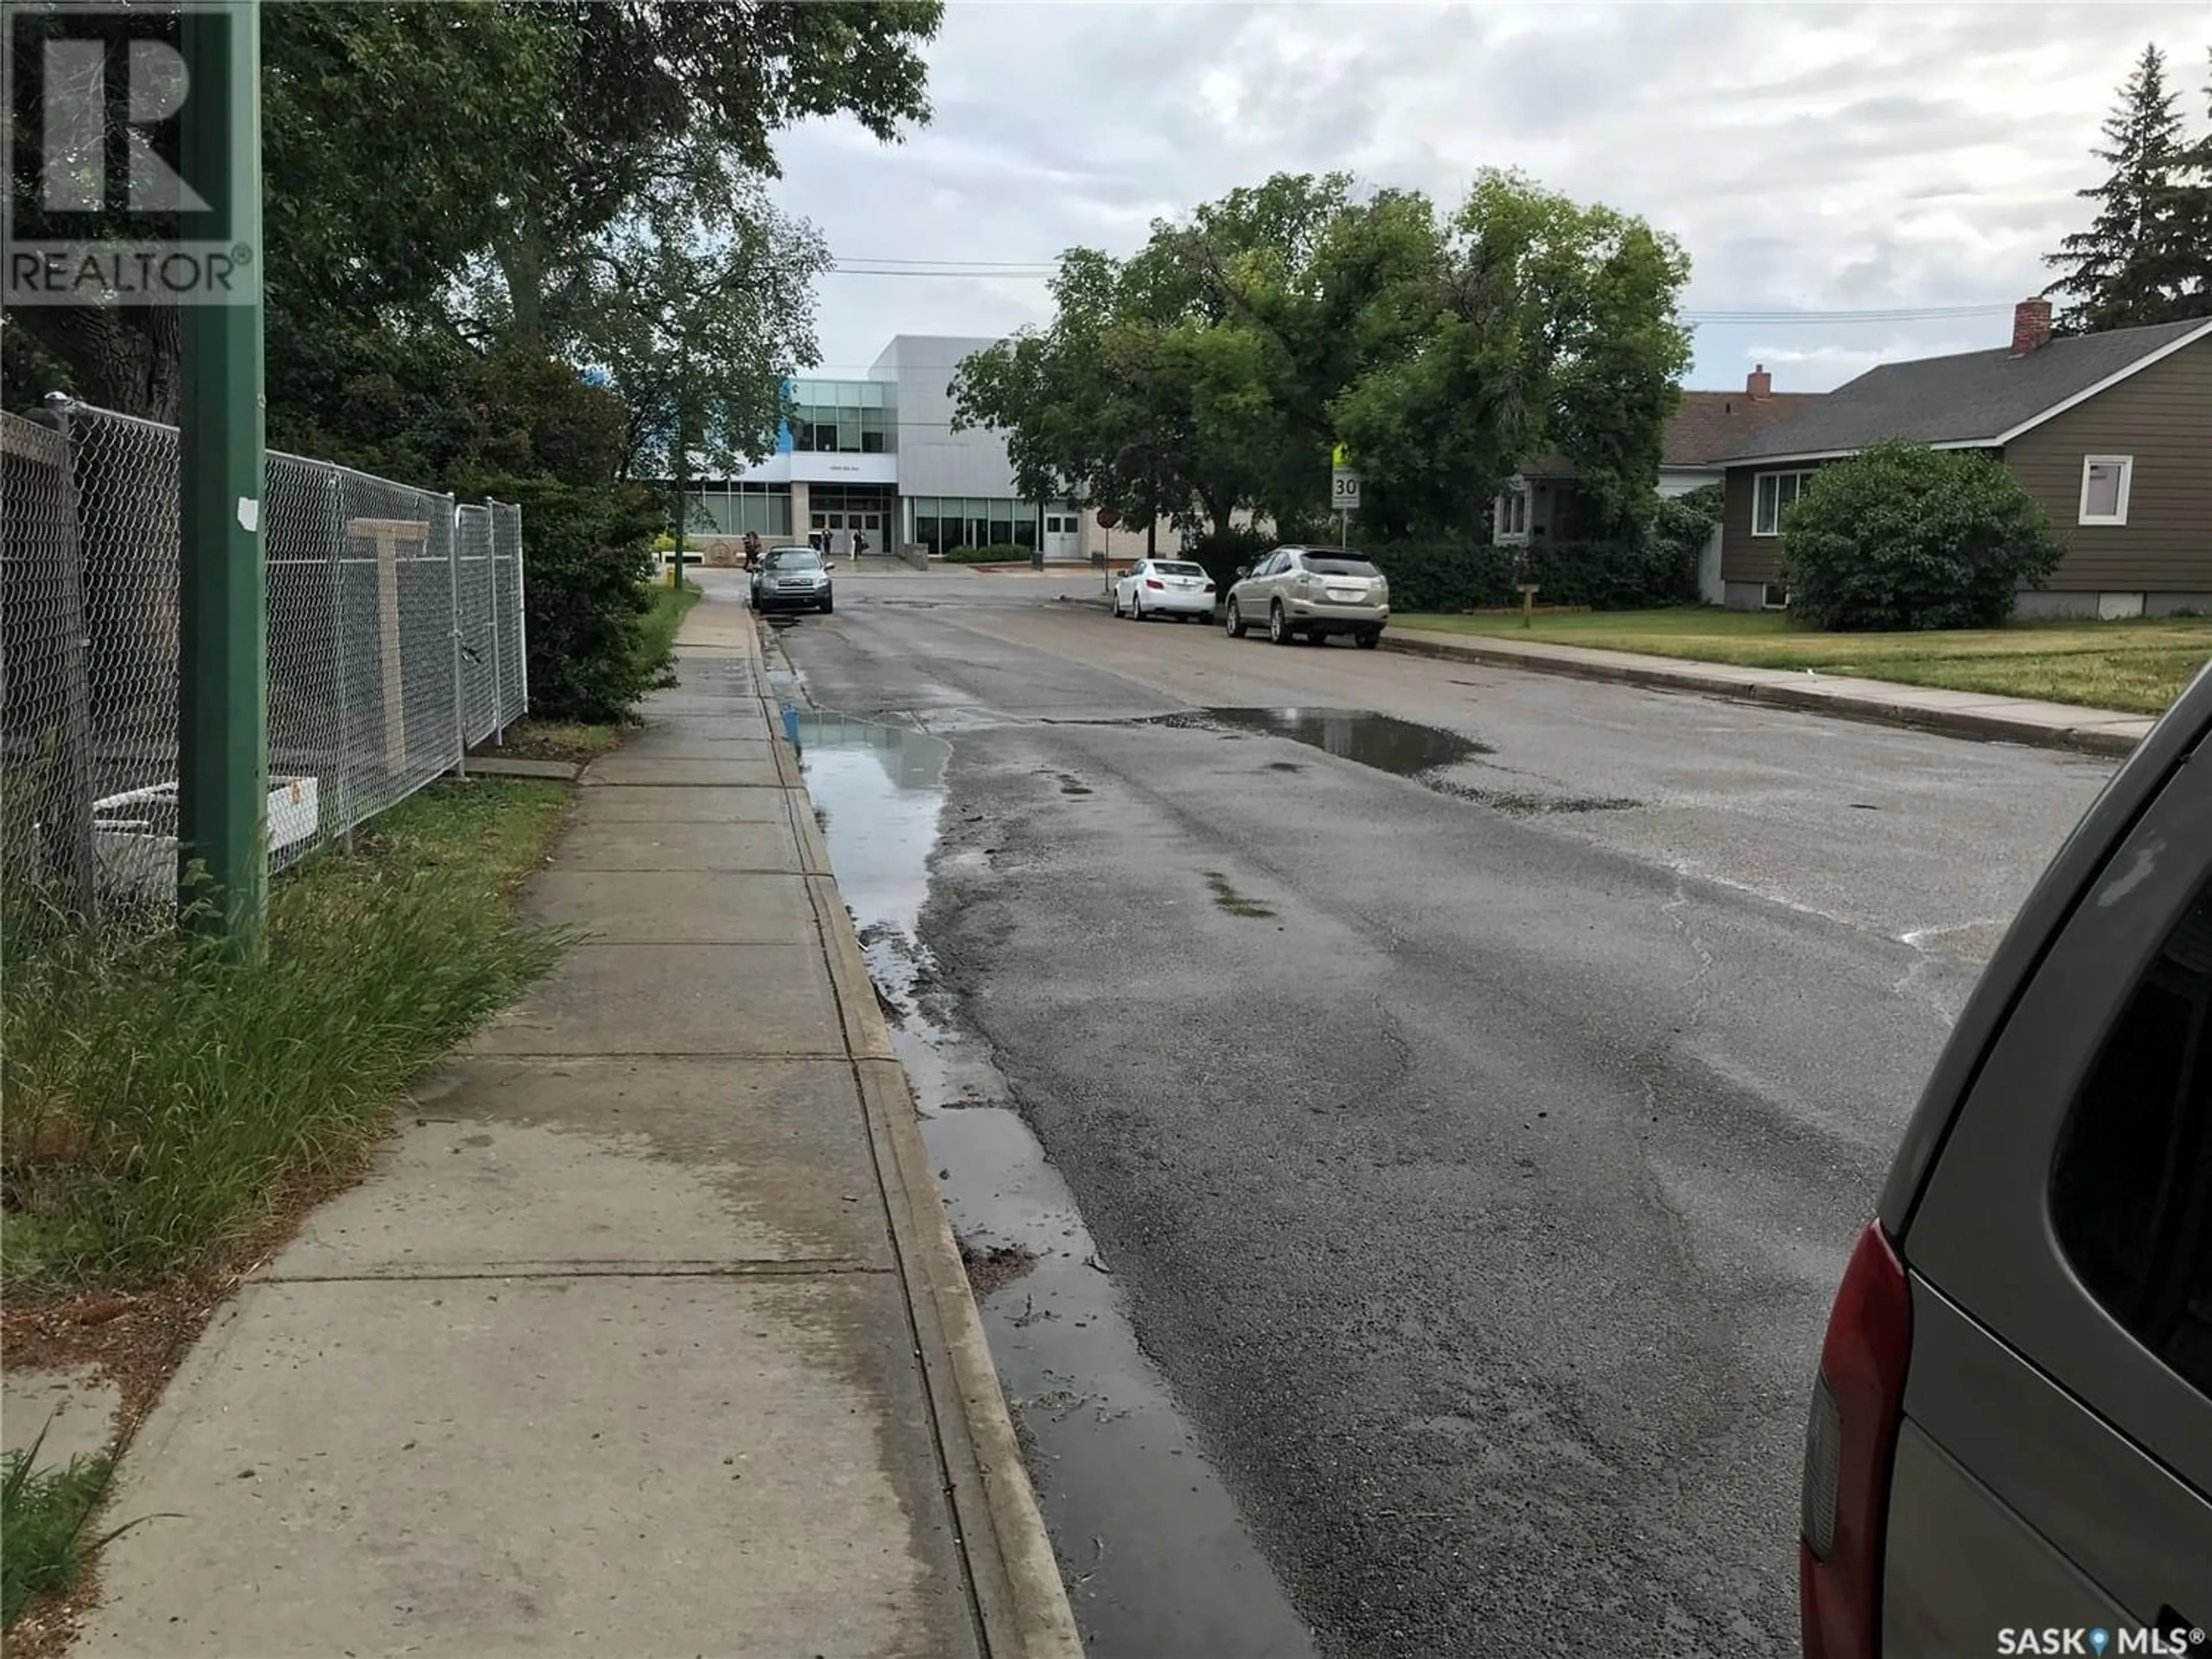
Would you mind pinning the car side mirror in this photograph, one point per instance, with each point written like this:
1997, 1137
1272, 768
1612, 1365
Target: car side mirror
1242, 571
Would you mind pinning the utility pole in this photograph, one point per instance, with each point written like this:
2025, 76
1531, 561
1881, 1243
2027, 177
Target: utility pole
682, 449
223, 725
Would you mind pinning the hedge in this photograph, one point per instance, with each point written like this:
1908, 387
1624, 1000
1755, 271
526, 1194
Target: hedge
997, 553
1464, 575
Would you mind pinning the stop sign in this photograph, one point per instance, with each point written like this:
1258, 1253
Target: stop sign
1108, 518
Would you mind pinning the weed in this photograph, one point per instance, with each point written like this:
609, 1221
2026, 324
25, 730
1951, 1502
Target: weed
43, 1513
162, 1096
656, 641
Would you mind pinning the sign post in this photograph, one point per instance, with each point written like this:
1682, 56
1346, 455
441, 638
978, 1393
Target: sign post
1108, 518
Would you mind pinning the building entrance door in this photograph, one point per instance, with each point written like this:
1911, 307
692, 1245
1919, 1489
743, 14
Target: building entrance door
1063, 536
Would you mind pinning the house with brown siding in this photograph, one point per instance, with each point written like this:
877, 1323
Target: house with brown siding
2112, 433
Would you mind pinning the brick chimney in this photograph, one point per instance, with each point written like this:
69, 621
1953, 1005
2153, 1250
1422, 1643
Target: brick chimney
2030, 325
1759, 383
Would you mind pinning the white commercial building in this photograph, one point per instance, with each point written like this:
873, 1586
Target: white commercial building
879, 456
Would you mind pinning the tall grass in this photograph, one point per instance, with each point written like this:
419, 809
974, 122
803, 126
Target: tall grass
43, 1513
162, 1098
656, 632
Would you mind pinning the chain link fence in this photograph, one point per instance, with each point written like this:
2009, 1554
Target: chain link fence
395, 641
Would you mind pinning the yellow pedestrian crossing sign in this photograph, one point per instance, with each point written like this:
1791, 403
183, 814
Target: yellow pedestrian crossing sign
1336, 457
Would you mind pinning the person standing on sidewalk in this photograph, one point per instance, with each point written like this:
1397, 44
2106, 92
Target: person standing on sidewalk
859, 546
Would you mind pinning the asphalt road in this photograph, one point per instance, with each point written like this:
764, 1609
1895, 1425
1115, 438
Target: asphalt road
1478, 1154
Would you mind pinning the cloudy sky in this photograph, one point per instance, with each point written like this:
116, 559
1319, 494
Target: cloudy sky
1809, 156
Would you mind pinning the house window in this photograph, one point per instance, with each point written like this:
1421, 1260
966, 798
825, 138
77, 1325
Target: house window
1772, 493
2105, 481
1509, 515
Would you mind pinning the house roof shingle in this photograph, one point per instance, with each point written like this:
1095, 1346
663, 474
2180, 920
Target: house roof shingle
1973, 396
1711, 424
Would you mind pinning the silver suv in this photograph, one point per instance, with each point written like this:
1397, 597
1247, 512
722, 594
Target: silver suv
793, 579
1313, 592
2009, 1447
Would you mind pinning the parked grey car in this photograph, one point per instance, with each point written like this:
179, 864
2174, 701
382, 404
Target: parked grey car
1309, 593
2009, 1447
793, 579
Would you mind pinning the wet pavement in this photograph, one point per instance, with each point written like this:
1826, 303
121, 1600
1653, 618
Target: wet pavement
1403, 748
1472, 1139
1156, 1558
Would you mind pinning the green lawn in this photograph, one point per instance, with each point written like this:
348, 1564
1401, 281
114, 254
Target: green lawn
2139, 666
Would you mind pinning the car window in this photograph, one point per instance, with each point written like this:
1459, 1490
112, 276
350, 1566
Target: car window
1332, 565
795, 558
2132, 1189
1274, 564
1167, 569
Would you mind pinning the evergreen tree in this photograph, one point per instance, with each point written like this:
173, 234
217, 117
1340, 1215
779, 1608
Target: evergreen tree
2126, 268
2191, 188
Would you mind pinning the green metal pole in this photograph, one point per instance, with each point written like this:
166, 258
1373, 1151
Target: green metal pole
222, 725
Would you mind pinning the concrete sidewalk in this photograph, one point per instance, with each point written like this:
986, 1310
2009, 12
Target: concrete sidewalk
1961, 714
649, 1336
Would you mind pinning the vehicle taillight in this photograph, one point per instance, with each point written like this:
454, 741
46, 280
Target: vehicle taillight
1209, 587
1150, 581
1850, 1440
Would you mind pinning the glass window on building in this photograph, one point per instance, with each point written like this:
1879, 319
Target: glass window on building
843, 417
764, 508
943, 523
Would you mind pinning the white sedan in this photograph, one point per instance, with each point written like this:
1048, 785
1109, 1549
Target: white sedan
1164, 587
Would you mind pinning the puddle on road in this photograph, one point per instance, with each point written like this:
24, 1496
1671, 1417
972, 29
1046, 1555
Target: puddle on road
1383, 741
1155, 1554
1406, 749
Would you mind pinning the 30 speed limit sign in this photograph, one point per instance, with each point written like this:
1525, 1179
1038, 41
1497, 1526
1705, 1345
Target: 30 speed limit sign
1343, 490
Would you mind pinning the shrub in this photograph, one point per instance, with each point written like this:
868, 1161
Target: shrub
1904, 536
1221, 554
1680, 527
584, 548
997, 553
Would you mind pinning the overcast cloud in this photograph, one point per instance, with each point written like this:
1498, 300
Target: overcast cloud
1809, 156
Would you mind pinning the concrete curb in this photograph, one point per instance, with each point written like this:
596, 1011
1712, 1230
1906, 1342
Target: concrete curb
1020, 1601
1781, 695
